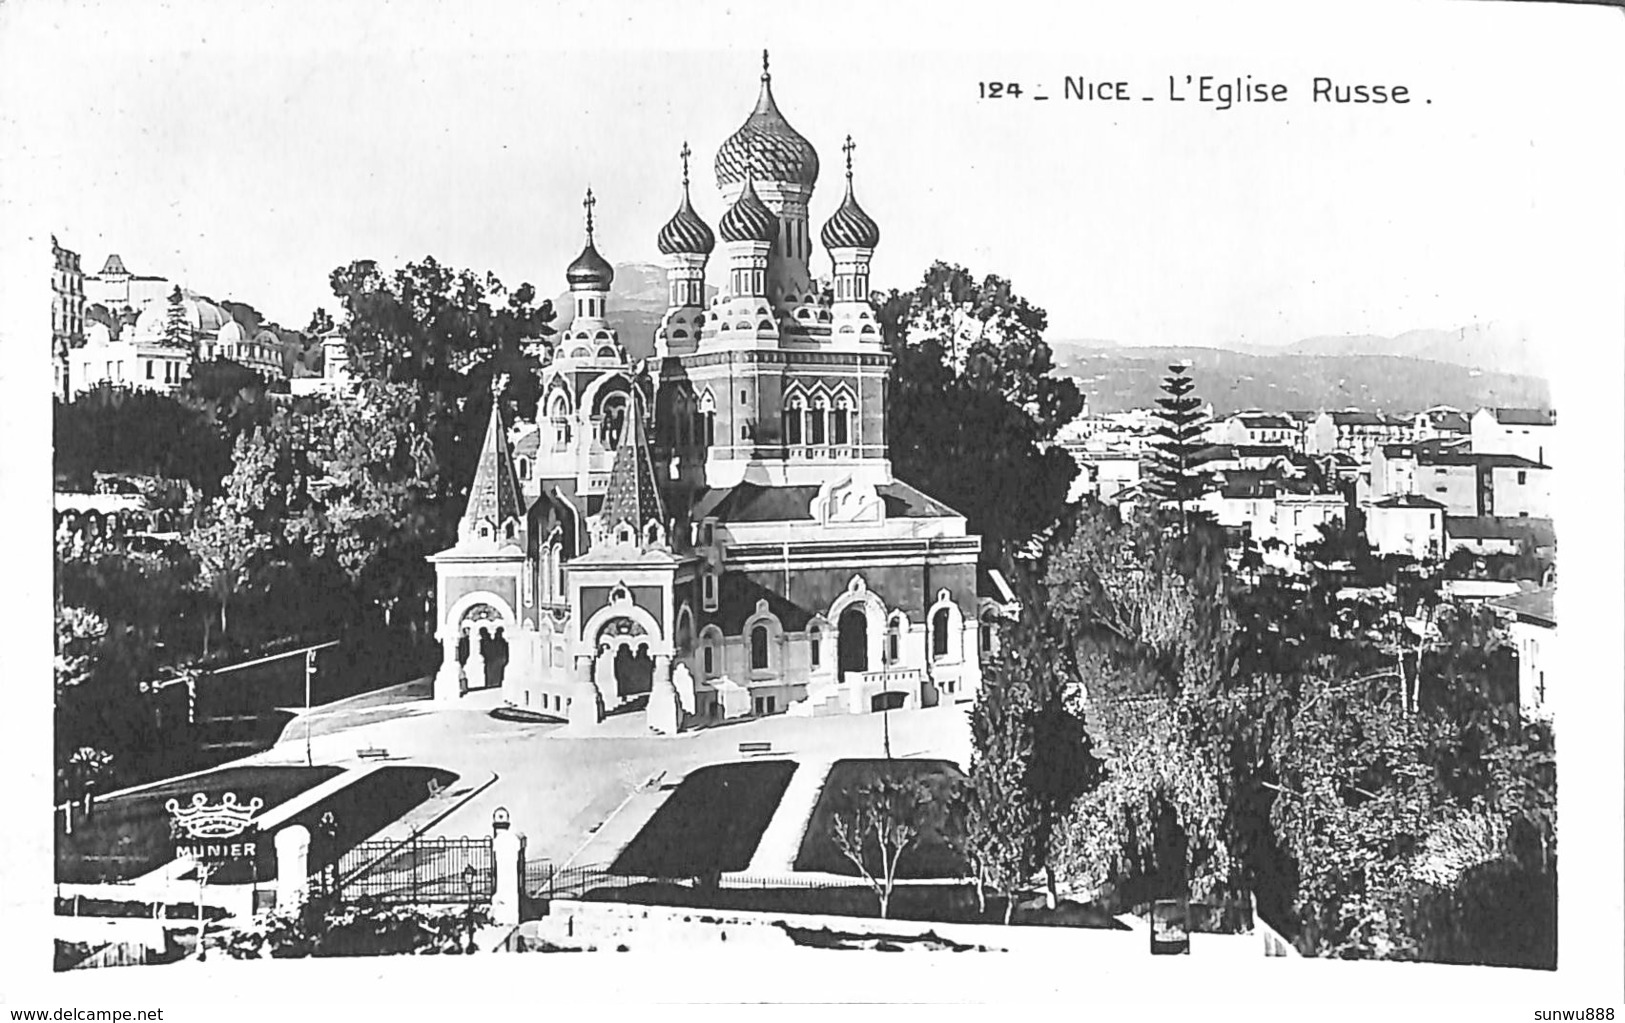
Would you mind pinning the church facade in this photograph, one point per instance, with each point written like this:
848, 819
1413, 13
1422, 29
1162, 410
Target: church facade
717, 534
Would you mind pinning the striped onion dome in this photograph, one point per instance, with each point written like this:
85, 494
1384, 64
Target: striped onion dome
850, 227
766, 146
685, 232
749, 219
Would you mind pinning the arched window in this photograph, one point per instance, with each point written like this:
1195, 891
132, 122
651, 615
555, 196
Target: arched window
894, 641
710, 591
794, 408
758, 648
708, 420
524, 468
815, 647
939, 633
815, 421
839, 422
708, 658
612, 422
984, 635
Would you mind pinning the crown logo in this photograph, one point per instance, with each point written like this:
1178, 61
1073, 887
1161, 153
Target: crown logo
226, 819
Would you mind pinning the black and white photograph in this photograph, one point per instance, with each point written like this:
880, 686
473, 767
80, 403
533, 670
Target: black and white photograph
1071, 495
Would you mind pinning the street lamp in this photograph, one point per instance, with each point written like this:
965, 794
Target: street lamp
468, 882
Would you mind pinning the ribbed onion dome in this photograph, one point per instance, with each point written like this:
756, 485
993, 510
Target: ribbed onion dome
767, 147
590, 270
749, 219
685, 232
850, 227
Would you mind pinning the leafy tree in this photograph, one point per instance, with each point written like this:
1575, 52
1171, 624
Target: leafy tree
119, 430
988, 335
227, 550
448, 335
1004, 830
1173, 473
972, 405
877, 825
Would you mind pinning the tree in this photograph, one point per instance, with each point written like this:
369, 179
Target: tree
1003, 827
1174, 476
877, 825
177, 327
972, 404
447, 335
227, 549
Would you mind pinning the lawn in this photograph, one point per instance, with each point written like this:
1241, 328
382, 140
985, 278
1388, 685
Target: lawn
711, 823
930, 858
128, 835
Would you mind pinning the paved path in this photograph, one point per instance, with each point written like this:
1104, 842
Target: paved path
560, 786
781, 842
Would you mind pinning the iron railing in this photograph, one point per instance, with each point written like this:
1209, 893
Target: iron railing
417, 870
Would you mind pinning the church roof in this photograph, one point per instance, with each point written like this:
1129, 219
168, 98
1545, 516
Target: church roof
494, 495
766, 146
114, 265
752, 502
633, 494
736, 603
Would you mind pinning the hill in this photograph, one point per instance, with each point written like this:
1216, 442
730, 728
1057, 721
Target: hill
636, 304
1497, 347
1122, 378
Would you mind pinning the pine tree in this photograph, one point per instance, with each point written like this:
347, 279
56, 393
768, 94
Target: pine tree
177, 332
1173, 473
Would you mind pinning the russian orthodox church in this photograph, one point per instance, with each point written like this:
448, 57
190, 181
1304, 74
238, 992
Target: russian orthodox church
717, 533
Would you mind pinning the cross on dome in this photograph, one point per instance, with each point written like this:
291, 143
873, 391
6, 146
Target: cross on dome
588, 203
765, 75
686, 153
847, 149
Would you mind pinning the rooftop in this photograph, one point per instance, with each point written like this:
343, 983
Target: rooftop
1409, 501
1500, 527
1524, 416
752, 502
1534, 606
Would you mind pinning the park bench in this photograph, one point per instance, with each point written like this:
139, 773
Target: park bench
751, 748
372, 753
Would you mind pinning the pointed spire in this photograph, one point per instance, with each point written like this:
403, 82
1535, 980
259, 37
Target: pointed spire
632, 497
764, 100
494, 496
850, 227
590, 271
685, 231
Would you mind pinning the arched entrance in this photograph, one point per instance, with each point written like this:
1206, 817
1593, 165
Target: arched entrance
634, 672
852, 640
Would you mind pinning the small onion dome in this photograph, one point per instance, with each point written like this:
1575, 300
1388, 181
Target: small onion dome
590, 271
749, 219
850, 227
767, 146
685, 232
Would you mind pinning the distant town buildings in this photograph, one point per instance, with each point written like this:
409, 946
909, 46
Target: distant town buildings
67, 312
335, 375
118, 290
1532, 622
1515, 431
1407, 525
144, 331
1357, 433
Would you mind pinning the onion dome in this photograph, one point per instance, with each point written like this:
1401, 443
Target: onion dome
685, 232
767, 146
590, 271
850, 227
749, 219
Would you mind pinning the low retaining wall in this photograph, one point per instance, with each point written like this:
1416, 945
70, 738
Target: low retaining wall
608, 925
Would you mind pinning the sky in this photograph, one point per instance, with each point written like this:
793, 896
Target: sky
247, 151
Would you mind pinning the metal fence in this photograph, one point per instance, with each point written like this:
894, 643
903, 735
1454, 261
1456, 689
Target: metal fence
418, 870
543, 881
